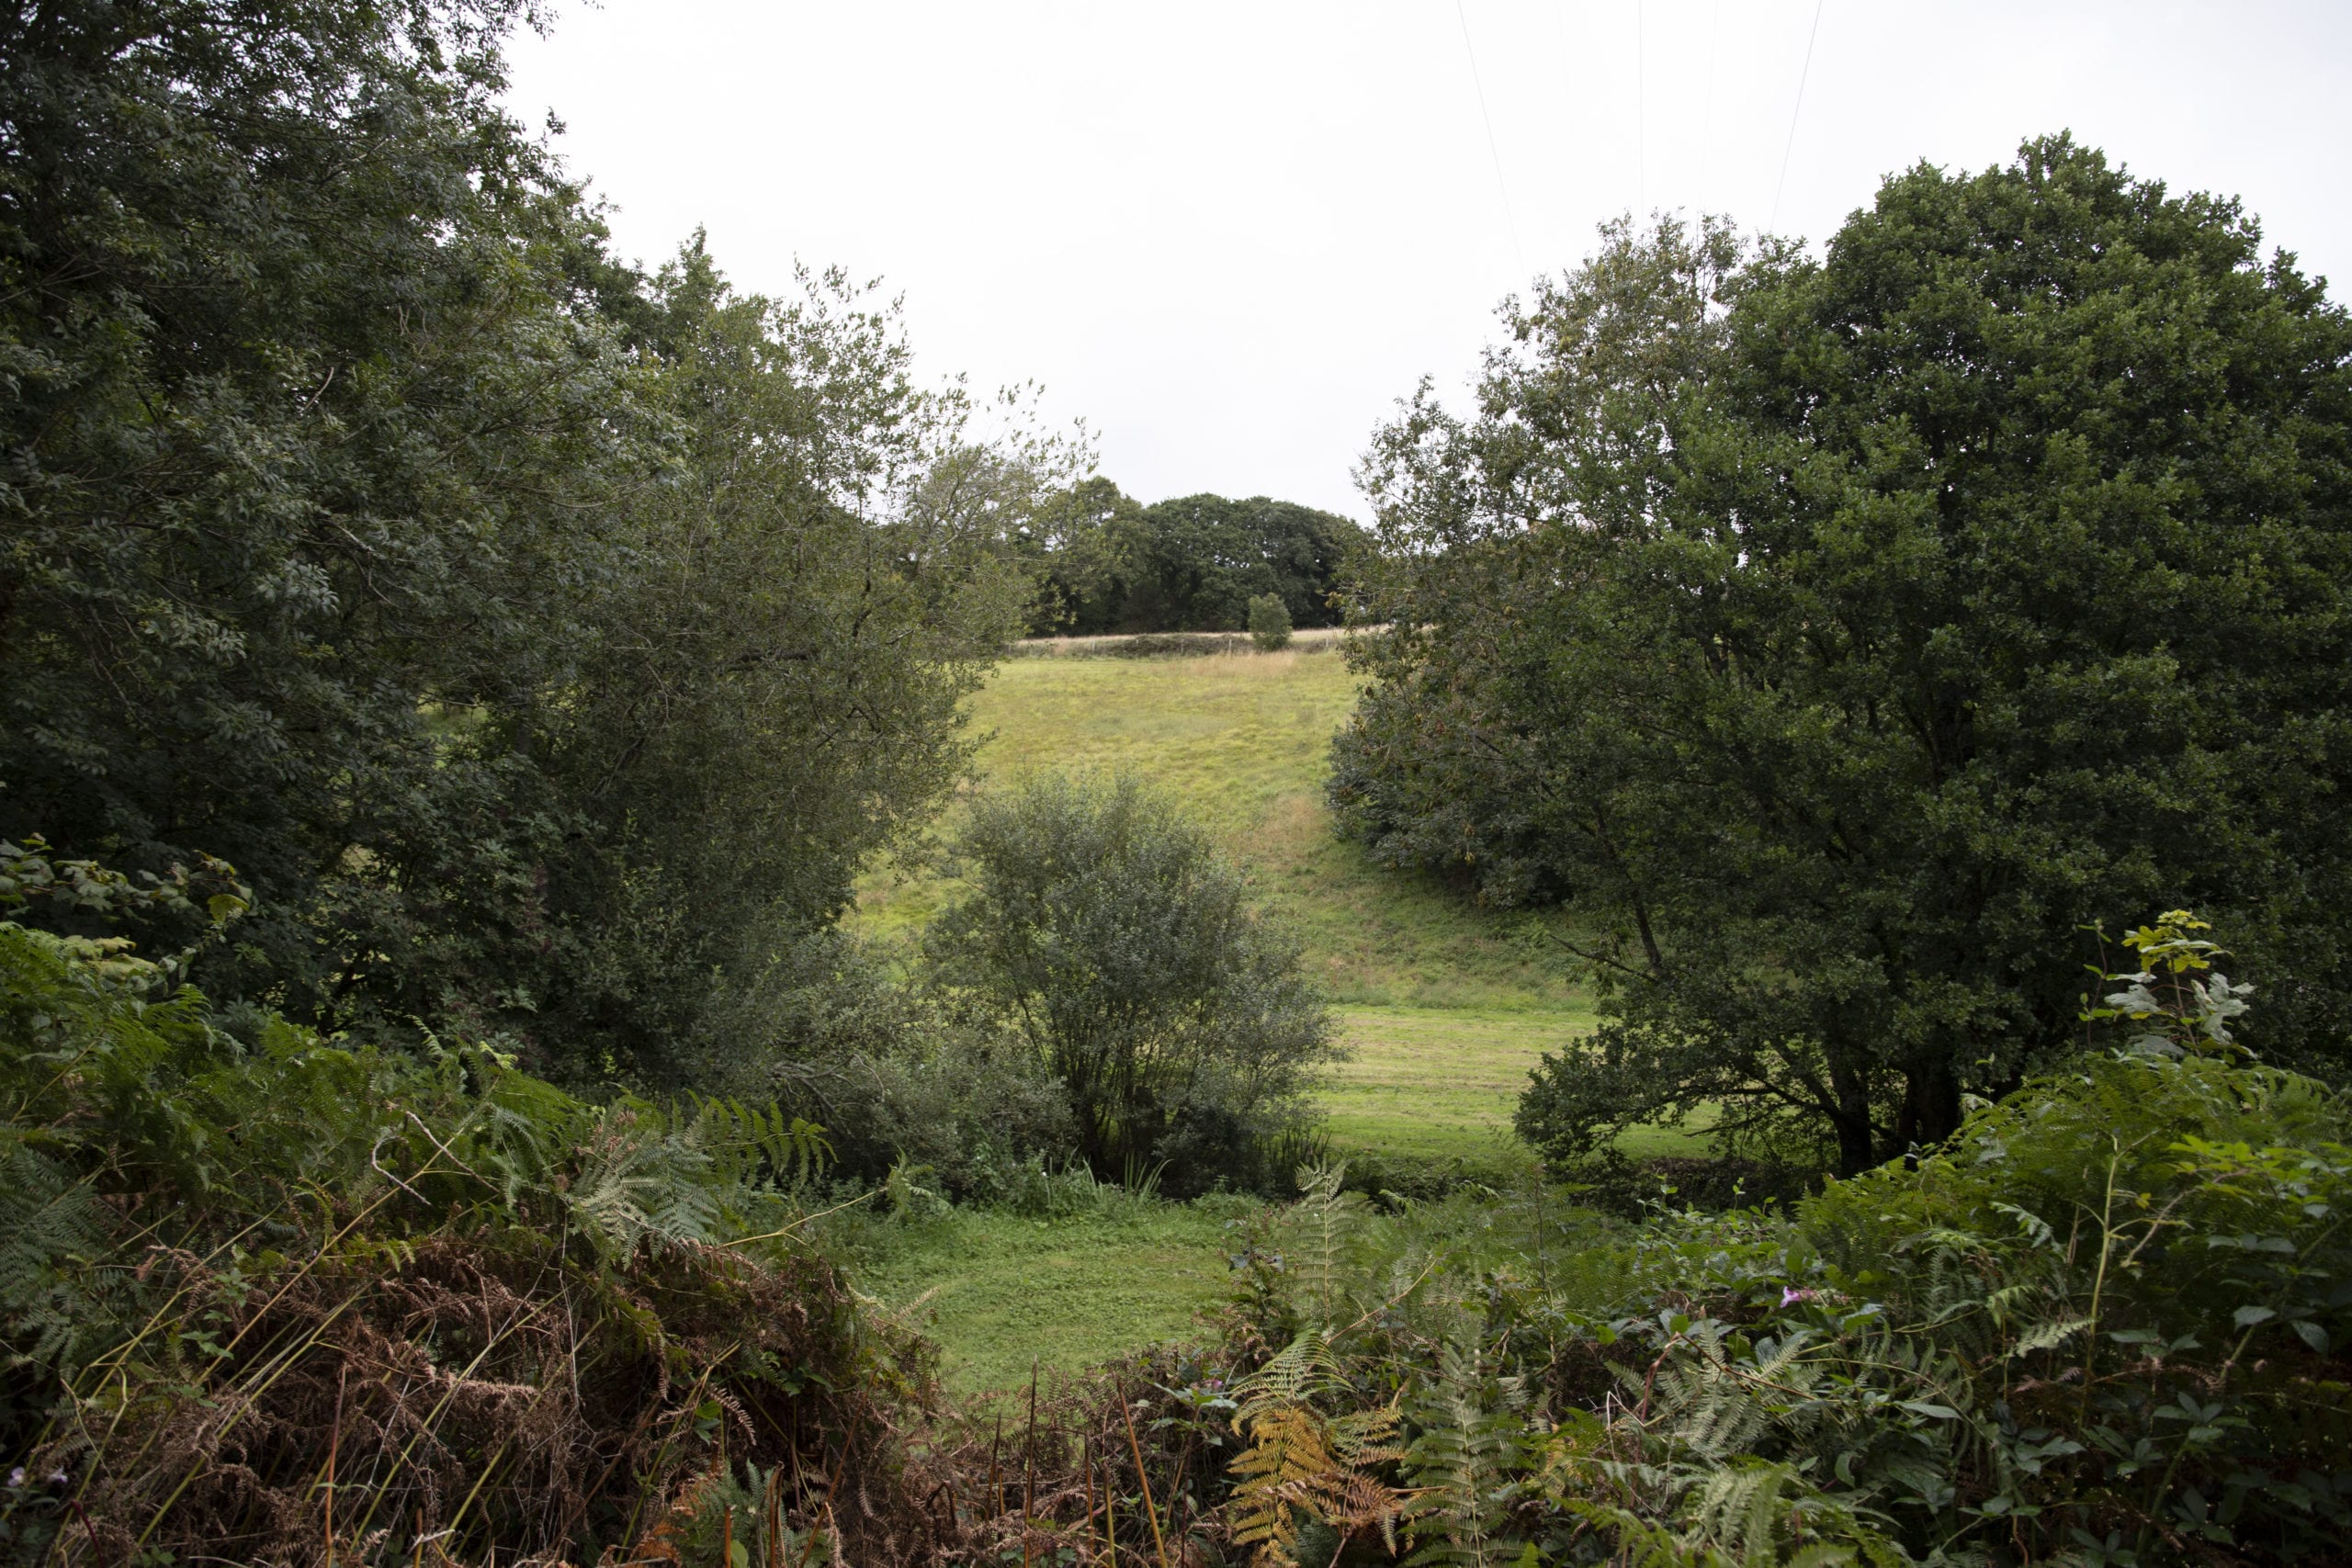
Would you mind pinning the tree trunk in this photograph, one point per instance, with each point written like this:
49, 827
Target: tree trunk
1930, 1105
1852, 1087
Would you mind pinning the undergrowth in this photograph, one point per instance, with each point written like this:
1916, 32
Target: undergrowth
271, 1298
2101, 1327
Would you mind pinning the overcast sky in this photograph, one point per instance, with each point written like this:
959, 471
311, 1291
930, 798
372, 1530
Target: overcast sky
1230, 236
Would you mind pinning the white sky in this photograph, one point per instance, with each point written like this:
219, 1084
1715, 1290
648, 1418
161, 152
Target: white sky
1229, 236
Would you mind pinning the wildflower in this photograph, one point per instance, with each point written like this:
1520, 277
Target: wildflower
1790, 1295
17, 1476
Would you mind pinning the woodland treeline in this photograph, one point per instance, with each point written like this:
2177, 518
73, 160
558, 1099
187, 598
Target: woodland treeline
1104, 563
452, 678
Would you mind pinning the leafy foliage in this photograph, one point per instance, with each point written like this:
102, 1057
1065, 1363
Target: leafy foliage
1108, 934
1270, 624
234, 1260
2102, 1325
1193, 563
1835, 638
546, 642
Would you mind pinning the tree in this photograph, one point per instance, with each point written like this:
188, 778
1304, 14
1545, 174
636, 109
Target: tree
813, 584
543, 642
1838, 639
1107, 931
1196, 561
1269, 623
314, 399
1104, 563
1076, 552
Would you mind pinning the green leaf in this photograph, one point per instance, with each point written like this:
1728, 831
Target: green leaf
2247, 1317
1931, 1410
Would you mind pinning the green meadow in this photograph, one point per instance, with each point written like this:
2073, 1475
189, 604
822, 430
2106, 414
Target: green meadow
1442, 1007
1001, 1292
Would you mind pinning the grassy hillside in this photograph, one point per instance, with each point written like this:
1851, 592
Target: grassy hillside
1445, 1006
1242, 740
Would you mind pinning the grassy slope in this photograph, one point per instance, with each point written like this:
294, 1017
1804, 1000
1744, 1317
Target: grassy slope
1243, 740
1443, 1007
1000, 1292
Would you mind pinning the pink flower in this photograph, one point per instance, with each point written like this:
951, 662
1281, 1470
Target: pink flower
1790, 1295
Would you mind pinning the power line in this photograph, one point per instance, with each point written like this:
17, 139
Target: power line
1794, 110
1493, 149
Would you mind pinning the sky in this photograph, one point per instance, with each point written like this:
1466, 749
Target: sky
1229, 237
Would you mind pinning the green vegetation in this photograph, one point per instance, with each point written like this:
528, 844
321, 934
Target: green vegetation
1881, 625
2101, 1327
1434, 994
1104, 563
1436, 1084
1243, 742
522, 1152
1002, 1291
1270, 623
1107, 933
224, 1238
546, 642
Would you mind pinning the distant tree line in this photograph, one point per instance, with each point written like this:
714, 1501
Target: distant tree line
1104, 562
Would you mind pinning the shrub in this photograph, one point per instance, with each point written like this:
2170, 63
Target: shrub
1105, 932
832, 1030
1269, 623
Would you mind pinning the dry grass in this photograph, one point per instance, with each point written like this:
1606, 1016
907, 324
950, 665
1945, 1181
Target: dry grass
460, 1398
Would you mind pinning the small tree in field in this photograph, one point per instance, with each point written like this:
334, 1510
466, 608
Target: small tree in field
1106, 931
1269, 623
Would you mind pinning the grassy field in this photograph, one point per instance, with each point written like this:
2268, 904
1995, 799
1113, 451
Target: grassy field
1243, 740
1000, 1291
1443, 1007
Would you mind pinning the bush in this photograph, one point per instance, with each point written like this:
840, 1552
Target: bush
1269, 623
1106, 933
833, 1031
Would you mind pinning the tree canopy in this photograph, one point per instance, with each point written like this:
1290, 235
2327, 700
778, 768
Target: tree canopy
1836, 639
1106, 563
542, 640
